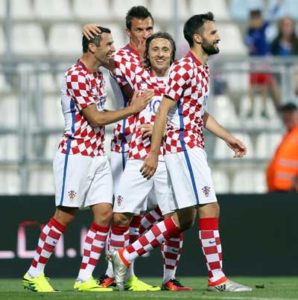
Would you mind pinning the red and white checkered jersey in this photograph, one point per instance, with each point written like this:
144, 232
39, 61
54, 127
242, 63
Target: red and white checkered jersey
139, 146
188, 86
82, 88
126, 60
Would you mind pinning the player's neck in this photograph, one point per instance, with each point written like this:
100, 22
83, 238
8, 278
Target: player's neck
200, 54
91, 63
160, 73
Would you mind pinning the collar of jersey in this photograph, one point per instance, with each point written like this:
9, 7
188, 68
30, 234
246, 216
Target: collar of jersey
79, 62
194, 58
131, 49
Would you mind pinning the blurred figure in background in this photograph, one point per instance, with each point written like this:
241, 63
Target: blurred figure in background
286, 41
261, 83
282, 172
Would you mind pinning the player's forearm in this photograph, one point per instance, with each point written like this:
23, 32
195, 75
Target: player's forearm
158, 130
107, 117
213, 126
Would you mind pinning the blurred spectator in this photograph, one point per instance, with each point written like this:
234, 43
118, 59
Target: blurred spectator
261, 83
282, 172
286, 41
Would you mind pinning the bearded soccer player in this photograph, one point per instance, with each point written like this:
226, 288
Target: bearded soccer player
183, 113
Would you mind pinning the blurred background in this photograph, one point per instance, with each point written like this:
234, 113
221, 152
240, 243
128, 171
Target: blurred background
40, 39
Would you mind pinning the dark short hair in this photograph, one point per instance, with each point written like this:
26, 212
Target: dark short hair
138, 12
159, 35
288, 107
96, 40
255, 13
194, 24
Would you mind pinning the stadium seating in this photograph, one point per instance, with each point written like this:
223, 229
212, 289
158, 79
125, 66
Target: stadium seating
218, 7
9, 181
9, 107
266, 144
9, 147
52, 10
22, 34
231, 40
220, 181
92, 10
120, 7
21, 9
166, 13
65, 39
52, 115
249, 181
41, 181
239, 9
2, 41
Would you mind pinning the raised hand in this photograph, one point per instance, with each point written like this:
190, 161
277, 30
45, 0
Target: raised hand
91, 30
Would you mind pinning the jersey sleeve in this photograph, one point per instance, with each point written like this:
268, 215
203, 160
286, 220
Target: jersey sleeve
179, 80
78, 87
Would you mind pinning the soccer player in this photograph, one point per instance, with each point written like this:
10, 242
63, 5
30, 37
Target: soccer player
81, 169
139, 26
159, 55
184, 105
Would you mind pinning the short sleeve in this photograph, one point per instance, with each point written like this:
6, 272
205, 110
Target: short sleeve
179, 80
78, 87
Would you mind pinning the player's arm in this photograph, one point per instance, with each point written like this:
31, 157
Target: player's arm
235, 144
150, 163
100, 118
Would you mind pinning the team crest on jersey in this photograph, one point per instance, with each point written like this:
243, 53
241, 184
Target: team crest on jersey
119, 200
206, 190
72, 195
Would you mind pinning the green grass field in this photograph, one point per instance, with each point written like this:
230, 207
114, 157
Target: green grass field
275, 288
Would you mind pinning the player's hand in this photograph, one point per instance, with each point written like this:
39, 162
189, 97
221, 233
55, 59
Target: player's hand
237, 146
140, 99
141, 46
150, 165
146, 130
91, 30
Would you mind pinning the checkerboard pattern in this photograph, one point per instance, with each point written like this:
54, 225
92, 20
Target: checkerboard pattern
93, 246
211, 246
127, 62
151, 239
188, 86
152, 217
80, 89
171, 251
47, 242
119, 237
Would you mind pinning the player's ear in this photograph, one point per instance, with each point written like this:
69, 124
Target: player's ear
128, 32
92, 47
197, 38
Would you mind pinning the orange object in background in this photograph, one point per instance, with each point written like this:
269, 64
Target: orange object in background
282, 172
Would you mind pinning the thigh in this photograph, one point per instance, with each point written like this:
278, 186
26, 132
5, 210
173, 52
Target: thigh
118, 162
101, 187
133, 189
191, 178
71, 179
163, 190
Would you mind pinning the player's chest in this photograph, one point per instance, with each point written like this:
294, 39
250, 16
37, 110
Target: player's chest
98, 91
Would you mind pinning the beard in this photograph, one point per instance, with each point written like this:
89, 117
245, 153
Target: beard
209, 49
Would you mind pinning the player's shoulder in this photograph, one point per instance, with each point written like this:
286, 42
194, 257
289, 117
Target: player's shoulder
76, 69
184, 64
125, 55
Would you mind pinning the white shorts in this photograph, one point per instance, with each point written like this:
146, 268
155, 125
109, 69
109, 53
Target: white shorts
132, 195
190, 177
82, 181
118, 162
